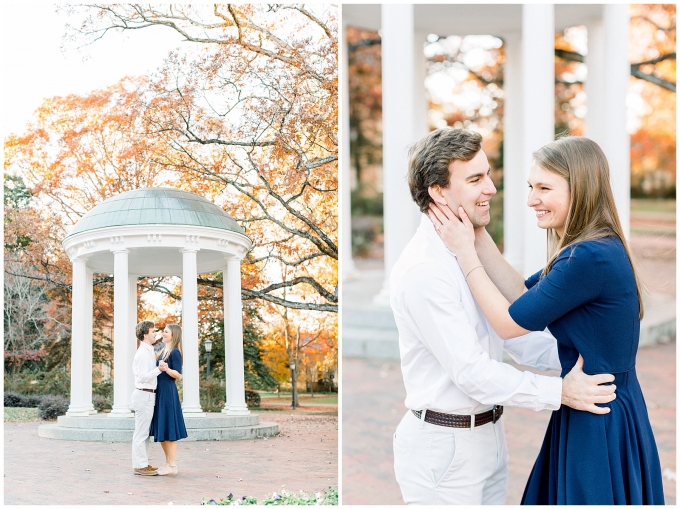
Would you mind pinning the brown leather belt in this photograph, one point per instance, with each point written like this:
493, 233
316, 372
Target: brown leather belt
461, 421
146, 390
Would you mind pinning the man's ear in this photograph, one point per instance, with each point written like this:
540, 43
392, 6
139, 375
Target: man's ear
436, 194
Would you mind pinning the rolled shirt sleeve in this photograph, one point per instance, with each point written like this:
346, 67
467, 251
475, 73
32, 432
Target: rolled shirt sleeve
536, 349
444, 327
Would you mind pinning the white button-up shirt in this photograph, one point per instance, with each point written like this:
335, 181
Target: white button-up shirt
451, 359
144, 367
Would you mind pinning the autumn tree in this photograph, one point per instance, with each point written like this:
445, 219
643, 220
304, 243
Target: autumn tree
249, 117
246, 116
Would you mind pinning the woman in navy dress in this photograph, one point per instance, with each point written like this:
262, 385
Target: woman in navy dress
589, 296
167, 425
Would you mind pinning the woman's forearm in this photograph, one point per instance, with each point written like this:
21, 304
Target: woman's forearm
493, 303
174, 374
502, 274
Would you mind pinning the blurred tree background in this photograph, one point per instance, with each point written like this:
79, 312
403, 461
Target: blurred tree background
464, 84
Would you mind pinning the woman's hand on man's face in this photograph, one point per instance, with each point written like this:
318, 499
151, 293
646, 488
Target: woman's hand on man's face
457, 234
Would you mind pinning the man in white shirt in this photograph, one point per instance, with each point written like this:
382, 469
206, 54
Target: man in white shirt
450, 446
143, 397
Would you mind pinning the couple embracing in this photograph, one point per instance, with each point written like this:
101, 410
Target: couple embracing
155, 400
458, 303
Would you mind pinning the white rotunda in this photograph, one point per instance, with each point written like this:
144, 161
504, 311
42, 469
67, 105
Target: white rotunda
154, 232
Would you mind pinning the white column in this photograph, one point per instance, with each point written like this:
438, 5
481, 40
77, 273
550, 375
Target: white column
514, 183
421, 123
607, 87
123, 339
595, 121
399, 131
78, 406
132, 324
538, 105
87, 388
226, 319
191, 403
347, 267
233, 340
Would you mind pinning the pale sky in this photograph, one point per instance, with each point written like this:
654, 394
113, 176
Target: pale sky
35, 68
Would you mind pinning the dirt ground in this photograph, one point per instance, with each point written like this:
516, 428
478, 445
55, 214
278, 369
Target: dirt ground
42, 471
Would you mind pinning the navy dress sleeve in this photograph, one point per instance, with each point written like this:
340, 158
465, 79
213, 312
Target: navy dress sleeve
175, 361
576, 278
532, 280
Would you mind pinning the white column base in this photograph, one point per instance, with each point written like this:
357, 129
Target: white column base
78, 413
193, 413
121, 412
93, 411
236, 411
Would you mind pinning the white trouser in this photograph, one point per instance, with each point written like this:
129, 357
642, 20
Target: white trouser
142, 403
438, 465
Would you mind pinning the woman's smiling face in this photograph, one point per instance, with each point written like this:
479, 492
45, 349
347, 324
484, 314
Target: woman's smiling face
549, 196
167, 335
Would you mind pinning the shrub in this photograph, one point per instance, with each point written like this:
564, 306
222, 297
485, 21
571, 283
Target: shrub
101, 403
12, 399
57, 381
328, 497
212, 394
52, 407
103, 388
252, 398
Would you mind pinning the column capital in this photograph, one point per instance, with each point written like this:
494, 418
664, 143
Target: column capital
190, 250
80, 258
117, 250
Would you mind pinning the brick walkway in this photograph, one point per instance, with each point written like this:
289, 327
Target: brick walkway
373, 405
41, 471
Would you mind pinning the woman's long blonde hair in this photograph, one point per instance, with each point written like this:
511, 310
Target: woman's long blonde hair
592, 211
175, 342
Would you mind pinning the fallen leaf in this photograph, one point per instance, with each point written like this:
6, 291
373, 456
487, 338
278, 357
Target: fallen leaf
106, 491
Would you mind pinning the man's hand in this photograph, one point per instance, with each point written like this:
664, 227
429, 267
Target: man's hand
581, 391
163, 366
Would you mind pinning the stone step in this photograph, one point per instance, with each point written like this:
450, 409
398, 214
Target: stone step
105, 421
370, 316
370, 343
55, 431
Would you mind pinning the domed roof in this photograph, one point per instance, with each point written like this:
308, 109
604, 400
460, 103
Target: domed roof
156, 205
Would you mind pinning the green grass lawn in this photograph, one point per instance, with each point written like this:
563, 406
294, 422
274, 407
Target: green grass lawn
651, 205
19, 414
303, 399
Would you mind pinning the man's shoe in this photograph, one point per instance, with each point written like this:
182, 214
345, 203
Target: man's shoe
152, 468
146, 471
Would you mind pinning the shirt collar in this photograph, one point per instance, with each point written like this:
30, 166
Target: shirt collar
146, 345
427, 229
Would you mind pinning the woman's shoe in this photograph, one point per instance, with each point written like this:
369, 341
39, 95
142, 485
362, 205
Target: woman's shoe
167, 470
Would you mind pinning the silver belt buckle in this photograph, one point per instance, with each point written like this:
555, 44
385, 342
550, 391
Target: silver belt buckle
493, 414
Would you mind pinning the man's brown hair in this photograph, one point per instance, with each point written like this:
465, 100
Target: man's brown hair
430, 157
142, 329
